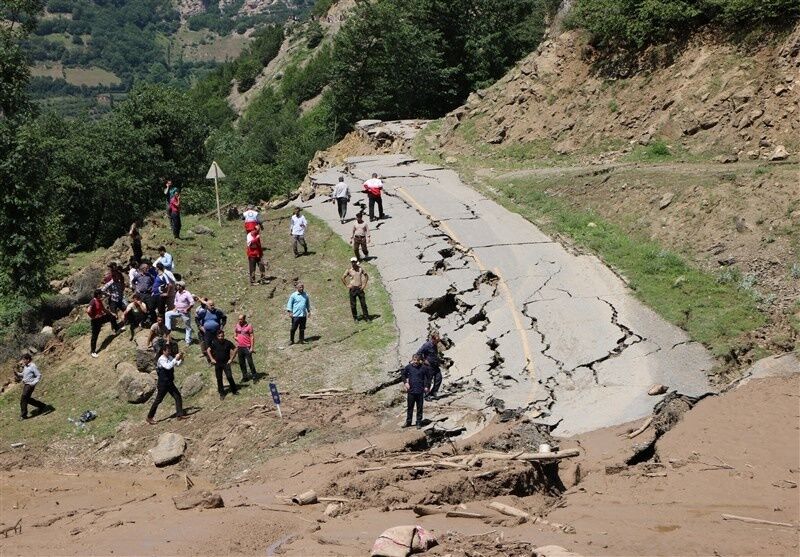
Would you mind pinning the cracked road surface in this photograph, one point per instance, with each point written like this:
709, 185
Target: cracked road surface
533, 326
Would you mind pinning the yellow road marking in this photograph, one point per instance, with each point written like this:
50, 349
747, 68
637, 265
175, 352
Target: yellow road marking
506, 291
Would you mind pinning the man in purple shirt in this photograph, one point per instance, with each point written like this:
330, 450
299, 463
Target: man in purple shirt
184, 302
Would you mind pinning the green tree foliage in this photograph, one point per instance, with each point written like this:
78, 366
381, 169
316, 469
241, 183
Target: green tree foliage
634, 24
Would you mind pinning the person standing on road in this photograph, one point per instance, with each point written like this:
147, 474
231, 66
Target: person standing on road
30, 377
99, 315
252, 220
222, 352
355, 279
255, 255
429, 353
184, 301
165, 369
341, 195
416, 380
297, 229
136, 242
359, 238
299, 308
374, 189
245, 346
210, 320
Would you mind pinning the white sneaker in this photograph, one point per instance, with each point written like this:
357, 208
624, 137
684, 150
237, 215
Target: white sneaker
121, 329
94, 355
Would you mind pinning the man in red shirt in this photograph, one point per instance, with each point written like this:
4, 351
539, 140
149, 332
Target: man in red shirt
255, 255
99, 315
374, 188
174, 211
246, 345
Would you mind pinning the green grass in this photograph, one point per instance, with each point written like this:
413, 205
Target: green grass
657, 151
712, 311
79, 328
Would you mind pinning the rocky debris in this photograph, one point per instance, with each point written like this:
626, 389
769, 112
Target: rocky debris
169, 449
669, 411
779, 154
198, 499
665, 200
135, 387
525, 435
202, 230
192, 385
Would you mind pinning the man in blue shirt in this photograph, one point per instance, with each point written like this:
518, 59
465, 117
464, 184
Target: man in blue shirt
209, 320
299, 308
429, 352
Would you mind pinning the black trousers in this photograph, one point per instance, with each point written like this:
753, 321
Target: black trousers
162, 389
137, 251
373, 200
206, 338
358, 294
27, 398
175, 223
97, 324
414, 399
134, 320
225, 367
341, 205
298, 323
437, 381
245, 359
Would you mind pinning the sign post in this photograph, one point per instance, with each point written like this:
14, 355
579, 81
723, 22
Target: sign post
215, 173
276, 398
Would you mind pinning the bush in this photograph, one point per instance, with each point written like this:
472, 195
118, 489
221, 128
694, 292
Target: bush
246, 73
79, 328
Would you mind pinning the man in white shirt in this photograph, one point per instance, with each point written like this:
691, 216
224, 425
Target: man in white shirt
165, 369
30, 376
374, 189
184, 301
297, 229
341, 195
165, 259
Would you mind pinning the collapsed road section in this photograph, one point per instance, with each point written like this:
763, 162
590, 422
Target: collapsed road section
531, 327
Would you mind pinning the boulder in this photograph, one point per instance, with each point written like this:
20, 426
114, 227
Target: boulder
126, 367
85, 282
192, 385
170, 449
135, 387
780, 153
47, 330
665, 200
333, 510
194, 499
203, 230
145, 361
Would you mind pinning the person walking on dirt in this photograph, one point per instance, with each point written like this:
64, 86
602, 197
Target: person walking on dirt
183, 303
429, 352
222, 352
359, 238
99, 315
374, 189
136, 242
297, 229
341, 196
245, 346
299, 308
165, 369
355, 279
252, 220
30, 377
255, 255
135, 314
416, 381
166, 259
210, 320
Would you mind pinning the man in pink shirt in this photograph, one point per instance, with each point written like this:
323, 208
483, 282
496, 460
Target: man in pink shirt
246, 344
184, 302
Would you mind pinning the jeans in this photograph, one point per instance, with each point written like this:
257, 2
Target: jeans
27, 398
341, 206
373, 200
245, 359
219, 369
414, 399
358, 293
298, 323
97, 324
175, 223
162, 388
187, 323
299, 240
437, 381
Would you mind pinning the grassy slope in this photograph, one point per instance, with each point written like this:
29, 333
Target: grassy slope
716, 314
345, 354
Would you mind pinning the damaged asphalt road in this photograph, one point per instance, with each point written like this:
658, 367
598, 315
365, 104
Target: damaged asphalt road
534, 327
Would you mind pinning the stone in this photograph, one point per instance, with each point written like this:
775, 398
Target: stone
451, 160
135, 387
333, 510
726, 159
203, 230
665, 200
168, 450
745, 94
780, 90
657, 389
126, 367
198, 499
64, 291
145, 361
192, 385
47, 330
780, 153
553, 551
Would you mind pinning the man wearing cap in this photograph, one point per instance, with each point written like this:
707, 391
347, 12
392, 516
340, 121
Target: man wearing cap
355, 279
299, 308
184, 301
30, 377
252, 220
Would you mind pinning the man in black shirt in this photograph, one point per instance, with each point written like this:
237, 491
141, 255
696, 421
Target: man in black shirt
222, 352
417, 381
429, 352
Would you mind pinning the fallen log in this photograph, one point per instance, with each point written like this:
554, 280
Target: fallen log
569, 453
643, 427
508, 510
464, 514
333, 499
424, 510
444, 464
419, 464
750, 520
372, 469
